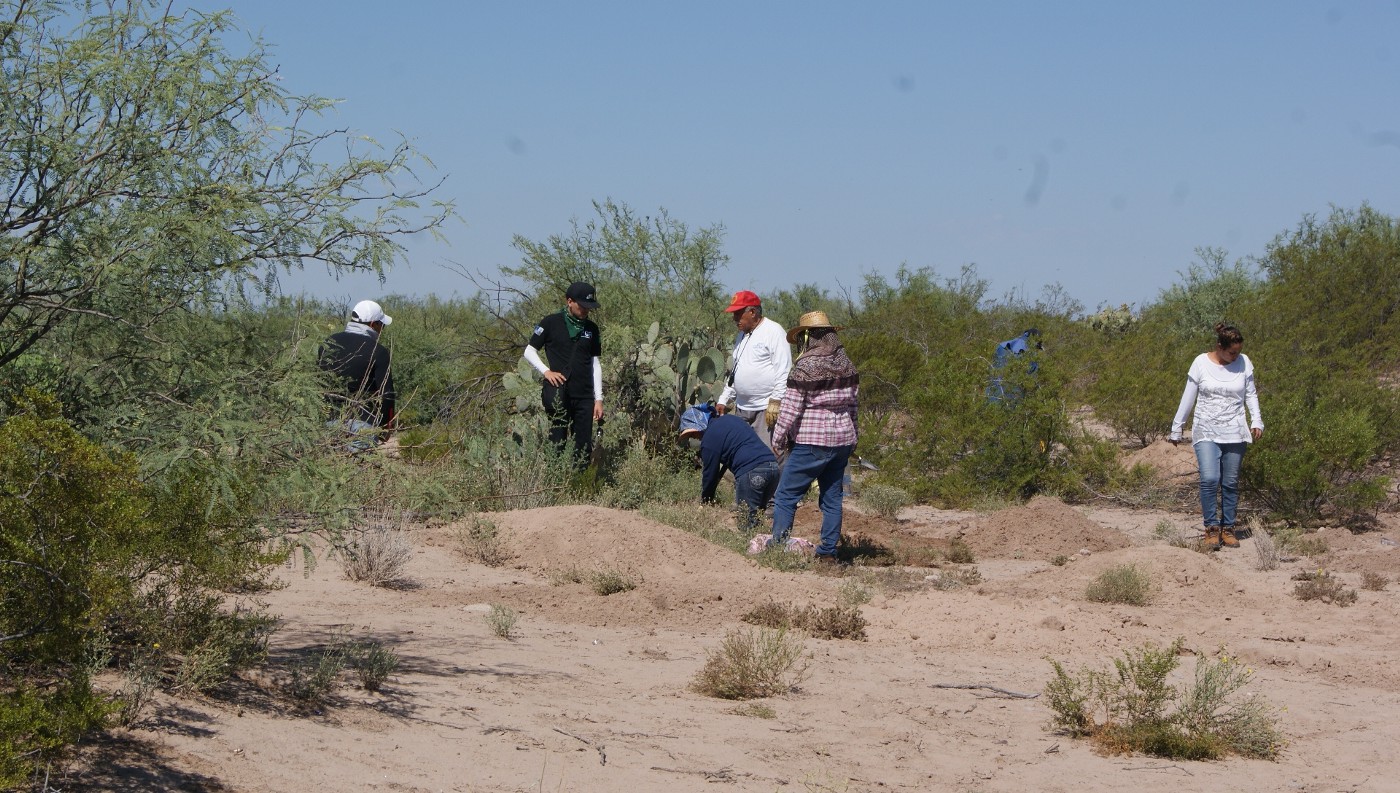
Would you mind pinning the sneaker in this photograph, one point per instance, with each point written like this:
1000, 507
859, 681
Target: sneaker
825, 561
1228, 538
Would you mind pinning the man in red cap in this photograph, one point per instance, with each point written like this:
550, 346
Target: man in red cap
757, 377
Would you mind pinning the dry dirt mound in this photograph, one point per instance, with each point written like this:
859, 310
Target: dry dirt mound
1368, 552
1168, 460
1042, 529
1180, 577
679, 577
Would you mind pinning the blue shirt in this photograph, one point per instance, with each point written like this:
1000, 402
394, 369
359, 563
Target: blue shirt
729, 443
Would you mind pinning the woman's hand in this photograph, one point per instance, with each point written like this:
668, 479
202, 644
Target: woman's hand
1256, 432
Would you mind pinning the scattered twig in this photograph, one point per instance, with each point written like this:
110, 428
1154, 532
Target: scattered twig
602, 753
1156, 768
1002, 691
1289, 639
1054, 747
725, 774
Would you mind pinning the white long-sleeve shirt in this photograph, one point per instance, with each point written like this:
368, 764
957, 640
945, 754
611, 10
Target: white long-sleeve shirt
762, 360
1220, 395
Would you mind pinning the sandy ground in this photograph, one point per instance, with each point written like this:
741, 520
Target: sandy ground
593, 693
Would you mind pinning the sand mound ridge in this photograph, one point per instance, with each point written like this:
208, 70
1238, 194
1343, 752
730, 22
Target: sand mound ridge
1166, 459
673, 570
1042, 529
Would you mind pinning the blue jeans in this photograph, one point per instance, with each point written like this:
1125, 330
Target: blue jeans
1219, 465
754, 488
826, 465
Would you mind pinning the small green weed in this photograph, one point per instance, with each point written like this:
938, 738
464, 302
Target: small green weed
373, 663
1124, 583
610, 582
501, 619
960, 553
480, 541
955, 578
885, 500
853, 593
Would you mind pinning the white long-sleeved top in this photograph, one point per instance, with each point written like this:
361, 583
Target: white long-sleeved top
1220, 395
762, 360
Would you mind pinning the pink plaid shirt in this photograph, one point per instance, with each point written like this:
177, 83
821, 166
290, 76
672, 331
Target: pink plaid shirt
821, 416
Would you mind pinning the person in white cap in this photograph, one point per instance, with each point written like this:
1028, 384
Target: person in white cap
364, 403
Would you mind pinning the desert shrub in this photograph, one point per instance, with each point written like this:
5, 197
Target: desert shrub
641, 478
1059, 560
830, 622
140, 679
1173, 535
1373, 582
955, 578
1324, 586
372, 662
377, 556
1129, 708
501, 620
480, 541
610, 582
567, 575
891, 579
312, 681
1212, 707
1266, 551
1318, 460
98, 564
752, 664
885, 500
1124, 583
959, 552
853, 593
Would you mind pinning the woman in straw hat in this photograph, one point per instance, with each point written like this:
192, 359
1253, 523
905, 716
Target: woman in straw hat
817, 426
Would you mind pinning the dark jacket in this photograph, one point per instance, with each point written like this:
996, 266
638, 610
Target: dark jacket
571, 357
729, 443
361, 366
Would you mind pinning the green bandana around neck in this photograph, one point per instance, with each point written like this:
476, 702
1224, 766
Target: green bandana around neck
574, 324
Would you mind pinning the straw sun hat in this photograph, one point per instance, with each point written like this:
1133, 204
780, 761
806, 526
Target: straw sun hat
812, 320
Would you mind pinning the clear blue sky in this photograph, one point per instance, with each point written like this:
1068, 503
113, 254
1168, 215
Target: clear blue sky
1092, 144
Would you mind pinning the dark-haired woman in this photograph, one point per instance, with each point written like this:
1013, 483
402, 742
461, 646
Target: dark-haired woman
1220, 386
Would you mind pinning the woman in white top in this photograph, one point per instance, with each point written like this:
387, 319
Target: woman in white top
1220, 384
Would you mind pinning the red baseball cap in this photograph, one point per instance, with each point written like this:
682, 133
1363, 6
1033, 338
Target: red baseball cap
744, 299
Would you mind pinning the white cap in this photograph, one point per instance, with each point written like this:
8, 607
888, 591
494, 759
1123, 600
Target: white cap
367, 311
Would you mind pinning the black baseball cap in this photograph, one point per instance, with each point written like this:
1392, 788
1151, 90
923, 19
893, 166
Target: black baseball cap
582, 293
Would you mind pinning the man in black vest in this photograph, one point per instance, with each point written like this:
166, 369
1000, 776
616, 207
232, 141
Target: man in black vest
364, 403
573, 378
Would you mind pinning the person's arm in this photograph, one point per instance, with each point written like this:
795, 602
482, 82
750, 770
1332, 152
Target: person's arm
785, 428
710, 471
597, 388
728, 394
782, 364
1188, 400
532, 356
1251, 401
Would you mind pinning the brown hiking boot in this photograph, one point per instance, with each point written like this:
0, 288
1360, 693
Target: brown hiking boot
1211, 541
1228, 538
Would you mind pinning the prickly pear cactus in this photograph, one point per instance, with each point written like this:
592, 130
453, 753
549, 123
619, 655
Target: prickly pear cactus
522, 385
